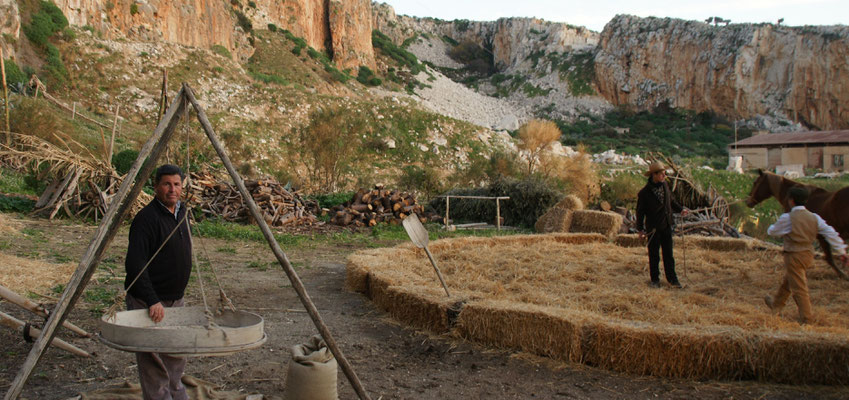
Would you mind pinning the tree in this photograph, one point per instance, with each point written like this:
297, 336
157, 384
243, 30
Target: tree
329, 145
535, 136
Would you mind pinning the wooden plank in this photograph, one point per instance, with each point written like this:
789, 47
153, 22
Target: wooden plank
14, 323
118, 208
275, 247
36, 309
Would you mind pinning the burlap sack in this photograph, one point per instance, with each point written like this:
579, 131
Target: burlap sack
312, 372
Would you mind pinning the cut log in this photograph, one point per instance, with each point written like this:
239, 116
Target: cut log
37, 309
14, 323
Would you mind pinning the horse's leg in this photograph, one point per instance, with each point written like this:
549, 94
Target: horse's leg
829, 258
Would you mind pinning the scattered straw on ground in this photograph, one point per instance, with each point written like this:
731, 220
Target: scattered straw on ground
23, 275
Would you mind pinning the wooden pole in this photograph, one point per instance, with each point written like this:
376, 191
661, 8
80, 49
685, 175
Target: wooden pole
275, 247
8, 131
498, 213
15, 323
121, 203
163, 97
112, 141
447, 205
36, 309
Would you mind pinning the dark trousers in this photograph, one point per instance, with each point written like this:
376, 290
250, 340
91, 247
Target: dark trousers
661, 239
160, 375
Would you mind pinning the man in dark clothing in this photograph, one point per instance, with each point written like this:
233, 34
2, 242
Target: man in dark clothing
654, 215
163, 281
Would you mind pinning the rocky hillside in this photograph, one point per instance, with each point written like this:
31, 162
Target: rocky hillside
739, 70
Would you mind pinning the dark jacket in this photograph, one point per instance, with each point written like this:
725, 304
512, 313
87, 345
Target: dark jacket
168, 274
651, 213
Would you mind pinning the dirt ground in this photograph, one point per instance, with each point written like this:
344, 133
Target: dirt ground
392, 361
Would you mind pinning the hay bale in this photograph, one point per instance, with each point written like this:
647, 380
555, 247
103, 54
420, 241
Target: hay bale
570, 202
588, 221
536, 330
629, 240
555, 220
719, 243
419, 307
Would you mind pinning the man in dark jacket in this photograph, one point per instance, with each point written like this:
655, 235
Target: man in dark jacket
154, 283
654, 219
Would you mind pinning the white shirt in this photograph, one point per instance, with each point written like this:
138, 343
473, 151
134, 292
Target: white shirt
783, 226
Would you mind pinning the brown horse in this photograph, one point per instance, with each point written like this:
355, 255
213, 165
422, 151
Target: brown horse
833, 207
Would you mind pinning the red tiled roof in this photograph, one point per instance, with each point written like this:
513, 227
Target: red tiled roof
775, 139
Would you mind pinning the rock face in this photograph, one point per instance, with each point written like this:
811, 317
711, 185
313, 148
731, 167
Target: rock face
350, 27
511, 40
10, 26
740, 70
343, 25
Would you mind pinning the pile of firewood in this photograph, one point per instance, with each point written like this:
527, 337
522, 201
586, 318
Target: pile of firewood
279, 206
370, 207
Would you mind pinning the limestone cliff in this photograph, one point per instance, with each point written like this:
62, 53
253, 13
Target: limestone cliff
740, 70
10, 26
339, 26
511, 40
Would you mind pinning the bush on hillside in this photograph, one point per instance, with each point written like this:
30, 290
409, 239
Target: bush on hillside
14, 74
124, 160
244, 21
424, 180
366, 77
329, 146
400, 55
529, 198
44, 23
621, 189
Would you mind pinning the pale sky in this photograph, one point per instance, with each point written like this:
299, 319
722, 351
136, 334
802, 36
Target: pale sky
593, 14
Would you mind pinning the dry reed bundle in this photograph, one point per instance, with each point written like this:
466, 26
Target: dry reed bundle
80, 183
21, 275
554, 220
605, 223
546, 297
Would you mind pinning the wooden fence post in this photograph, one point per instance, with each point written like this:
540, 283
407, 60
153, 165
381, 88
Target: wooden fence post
8, 132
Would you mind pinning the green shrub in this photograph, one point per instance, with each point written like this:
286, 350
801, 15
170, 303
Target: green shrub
16, 204
13, 73
366, 77
55, 67
400, 55
422, 179
529, 198
134, 9
244, 22
221, 50
329, 200
268, 78
123, 161
621, 190
251, 4
272, 27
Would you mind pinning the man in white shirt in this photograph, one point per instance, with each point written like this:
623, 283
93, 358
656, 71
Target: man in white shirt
799, 229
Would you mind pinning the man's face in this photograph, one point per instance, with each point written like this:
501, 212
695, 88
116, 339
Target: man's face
658, 176
169, 189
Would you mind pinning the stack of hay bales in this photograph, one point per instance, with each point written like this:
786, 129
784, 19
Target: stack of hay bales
603, 222
559, 217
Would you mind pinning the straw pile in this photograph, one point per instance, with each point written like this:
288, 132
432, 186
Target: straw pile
588, 221
577, 298
21, 275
